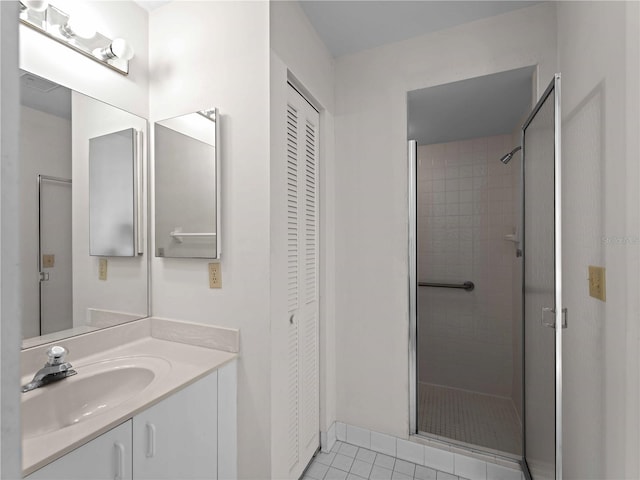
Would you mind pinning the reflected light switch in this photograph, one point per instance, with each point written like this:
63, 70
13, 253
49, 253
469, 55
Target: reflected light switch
48, 261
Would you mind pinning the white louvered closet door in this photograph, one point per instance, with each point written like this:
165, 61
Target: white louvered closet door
302, 276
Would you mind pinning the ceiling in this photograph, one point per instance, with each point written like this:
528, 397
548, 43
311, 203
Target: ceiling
151, 4
44, 95
477, 107
348, 26
483, 106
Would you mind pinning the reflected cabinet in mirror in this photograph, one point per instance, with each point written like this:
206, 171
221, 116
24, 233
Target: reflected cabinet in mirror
113, 203
82, 213
187, 186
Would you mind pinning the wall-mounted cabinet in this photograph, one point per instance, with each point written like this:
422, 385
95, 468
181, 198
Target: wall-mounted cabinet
189, 435
187, 186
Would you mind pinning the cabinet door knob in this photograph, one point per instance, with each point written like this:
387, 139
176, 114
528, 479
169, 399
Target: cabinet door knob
119, 461
151, 440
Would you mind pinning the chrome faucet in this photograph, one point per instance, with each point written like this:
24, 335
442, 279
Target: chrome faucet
55, 369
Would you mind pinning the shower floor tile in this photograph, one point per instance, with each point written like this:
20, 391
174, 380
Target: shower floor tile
469, 417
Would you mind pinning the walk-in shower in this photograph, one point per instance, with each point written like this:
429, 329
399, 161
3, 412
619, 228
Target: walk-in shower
467, 367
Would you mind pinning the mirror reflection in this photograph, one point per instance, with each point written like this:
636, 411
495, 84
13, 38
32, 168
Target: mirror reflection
187, 186
69, 213
112, 194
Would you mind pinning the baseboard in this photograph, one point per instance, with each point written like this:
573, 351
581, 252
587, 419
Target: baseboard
328, 438
433, 454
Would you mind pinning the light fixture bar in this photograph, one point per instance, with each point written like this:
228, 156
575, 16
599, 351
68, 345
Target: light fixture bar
57, 25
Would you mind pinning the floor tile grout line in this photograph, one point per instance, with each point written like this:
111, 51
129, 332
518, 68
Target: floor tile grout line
338, 446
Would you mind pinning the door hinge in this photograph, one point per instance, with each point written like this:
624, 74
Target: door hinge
44, 276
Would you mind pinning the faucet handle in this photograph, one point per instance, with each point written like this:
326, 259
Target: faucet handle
56, 355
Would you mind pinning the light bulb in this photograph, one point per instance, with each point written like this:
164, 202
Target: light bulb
78, 27
36, 5
121, 49
118, 48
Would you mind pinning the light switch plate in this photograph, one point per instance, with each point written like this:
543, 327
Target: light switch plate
48, 261
215, 276
597, 283
102, 269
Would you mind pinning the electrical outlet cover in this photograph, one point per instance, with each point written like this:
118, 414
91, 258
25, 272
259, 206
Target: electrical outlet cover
215, 277
102, 269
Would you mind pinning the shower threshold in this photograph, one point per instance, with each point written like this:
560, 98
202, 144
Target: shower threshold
470, 420
471, 447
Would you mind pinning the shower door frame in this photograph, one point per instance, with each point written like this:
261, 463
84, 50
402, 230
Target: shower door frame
413, 282
560, 312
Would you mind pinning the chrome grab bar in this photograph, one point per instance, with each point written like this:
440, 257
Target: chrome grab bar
468, 286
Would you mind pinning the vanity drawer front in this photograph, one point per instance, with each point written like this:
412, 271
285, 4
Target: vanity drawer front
107, 457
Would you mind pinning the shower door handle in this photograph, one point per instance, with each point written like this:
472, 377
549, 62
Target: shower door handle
551, 310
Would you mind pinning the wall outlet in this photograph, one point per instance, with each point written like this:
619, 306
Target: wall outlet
102, 269
48, 261
597, 283
215, 276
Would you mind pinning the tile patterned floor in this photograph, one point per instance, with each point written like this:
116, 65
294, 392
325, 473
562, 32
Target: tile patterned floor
469, 417
348, 462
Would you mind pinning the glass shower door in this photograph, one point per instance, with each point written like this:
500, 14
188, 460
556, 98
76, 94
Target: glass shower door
542, 289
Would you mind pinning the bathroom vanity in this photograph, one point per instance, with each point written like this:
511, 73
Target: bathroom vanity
158, 401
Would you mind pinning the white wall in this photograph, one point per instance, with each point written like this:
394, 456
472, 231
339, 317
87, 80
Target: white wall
216, 54
296, 48
10, 308
465, 207
598, 50
49, 155
371, 190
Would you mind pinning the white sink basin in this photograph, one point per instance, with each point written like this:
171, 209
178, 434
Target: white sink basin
96, 388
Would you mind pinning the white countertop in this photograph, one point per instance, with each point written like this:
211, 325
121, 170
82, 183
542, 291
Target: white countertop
188, 363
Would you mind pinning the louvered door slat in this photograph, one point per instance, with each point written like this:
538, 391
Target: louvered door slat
293, 395
311, 220
302, 276
309, 340
293, 285
292, 208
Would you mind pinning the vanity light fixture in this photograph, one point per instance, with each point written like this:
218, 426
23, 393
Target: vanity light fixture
35, 5
119, 48
77, 28
76, 33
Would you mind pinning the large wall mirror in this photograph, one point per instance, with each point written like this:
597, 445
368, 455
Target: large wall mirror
187, 186
83, 213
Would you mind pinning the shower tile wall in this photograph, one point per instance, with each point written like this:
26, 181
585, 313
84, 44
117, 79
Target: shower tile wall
465, 208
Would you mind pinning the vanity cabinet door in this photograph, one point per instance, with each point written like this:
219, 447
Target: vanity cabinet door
178, 437
107, 457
